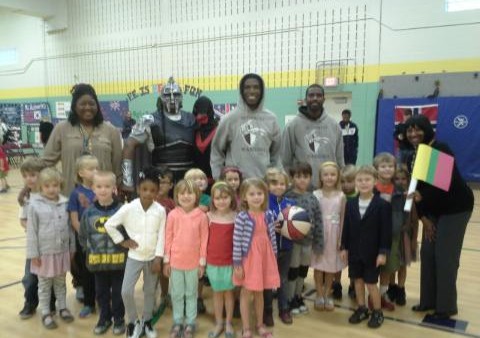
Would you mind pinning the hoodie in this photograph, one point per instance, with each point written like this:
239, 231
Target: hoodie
48, 230
248, 139
313, 141
186, 239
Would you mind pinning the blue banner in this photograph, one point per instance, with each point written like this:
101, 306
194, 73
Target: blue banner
457, 125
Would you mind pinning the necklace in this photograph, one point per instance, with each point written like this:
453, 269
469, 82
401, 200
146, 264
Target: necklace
87, 140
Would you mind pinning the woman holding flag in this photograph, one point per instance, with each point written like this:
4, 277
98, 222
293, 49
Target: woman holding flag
444, 205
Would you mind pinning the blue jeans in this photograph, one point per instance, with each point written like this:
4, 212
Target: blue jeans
30, 284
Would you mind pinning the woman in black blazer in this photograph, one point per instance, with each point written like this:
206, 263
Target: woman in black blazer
444, 215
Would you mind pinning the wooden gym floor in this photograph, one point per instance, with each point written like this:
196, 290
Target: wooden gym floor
400, 323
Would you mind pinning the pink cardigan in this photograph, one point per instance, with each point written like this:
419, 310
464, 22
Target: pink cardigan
186, 238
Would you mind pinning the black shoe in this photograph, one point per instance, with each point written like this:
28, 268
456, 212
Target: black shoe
392, 292
421, 308
376, 319
28, 311
201, 306
439, 316
401, 298
102, 327
360, 314
337, 291
351, 292
268, 319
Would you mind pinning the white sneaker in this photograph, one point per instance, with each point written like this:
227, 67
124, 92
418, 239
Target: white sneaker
150, 331
134, 330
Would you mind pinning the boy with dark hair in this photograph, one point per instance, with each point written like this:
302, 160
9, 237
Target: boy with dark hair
301, 175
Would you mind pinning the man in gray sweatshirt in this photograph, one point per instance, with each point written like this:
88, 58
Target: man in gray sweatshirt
312, 136
249, 137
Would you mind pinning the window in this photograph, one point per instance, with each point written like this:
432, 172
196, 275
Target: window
8, 56
461, 5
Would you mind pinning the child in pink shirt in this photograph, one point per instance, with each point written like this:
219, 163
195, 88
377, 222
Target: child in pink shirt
186, 240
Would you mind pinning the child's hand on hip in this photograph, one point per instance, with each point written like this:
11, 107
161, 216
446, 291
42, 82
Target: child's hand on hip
129, 244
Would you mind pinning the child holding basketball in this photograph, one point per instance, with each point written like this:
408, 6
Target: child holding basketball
254, 249
277, 182
332, 203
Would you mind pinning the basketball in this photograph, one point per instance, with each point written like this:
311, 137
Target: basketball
295, 223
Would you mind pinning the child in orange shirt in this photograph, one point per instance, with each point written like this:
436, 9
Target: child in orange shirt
185, 255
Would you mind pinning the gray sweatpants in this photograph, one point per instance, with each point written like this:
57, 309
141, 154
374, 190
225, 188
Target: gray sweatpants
45, 291
133, 269
299, 264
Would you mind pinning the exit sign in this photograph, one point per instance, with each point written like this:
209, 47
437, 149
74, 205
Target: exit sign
330, 81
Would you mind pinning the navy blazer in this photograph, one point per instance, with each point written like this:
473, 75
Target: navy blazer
365, 238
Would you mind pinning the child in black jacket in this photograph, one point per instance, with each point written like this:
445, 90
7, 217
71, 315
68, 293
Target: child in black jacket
366, 240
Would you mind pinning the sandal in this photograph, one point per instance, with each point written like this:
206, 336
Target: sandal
229, 331
217, 331
189, 331
176, 331
247, 333
263, 332
66, 315
48, 322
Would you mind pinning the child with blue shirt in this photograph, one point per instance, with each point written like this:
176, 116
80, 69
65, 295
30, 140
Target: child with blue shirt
80, 199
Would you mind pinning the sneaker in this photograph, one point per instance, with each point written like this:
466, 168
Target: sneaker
27, 312
149, 331
387, 304
134, 330
102, 327
376, 319
294, 306
301, 305
351, 292
268, 319
401, 298
329, 305
392, 292
319, 304
86, 311
285, 317
201, 306
79, 295
48, 322
119, 328
360, 314
337, 290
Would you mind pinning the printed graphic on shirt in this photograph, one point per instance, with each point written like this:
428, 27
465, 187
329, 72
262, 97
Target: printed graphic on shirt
251, 133
348, 131
314, 141
100, 224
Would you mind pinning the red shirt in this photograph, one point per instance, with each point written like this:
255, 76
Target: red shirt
220, 244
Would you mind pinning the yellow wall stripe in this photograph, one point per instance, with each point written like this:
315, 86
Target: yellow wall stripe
280, 79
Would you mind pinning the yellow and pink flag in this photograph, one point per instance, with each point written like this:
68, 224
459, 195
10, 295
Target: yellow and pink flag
433, 167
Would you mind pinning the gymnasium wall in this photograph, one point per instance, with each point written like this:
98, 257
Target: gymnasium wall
122, 46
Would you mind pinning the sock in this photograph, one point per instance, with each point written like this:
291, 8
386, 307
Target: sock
383, 290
